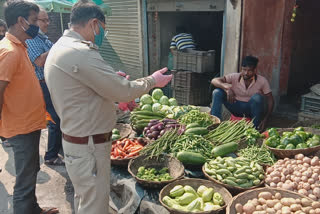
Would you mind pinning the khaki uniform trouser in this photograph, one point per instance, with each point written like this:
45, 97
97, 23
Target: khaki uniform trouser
88, 167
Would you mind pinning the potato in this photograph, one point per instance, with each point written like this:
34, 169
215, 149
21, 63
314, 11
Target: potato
313, 197
315, 176
306, 202
304, 178
276, 179
271, 211
271, 203
306, 186
268, 180
272, 184
278, 206
259, 208
312, 211
295, 207
265, 195
317, 211
306, 160
315, 205
285, 210
262, 201
239, 208
259, 212
248, 208
303, 192
298, 201
316, 192
275, 174
306, 209
287, 201
314, 161
277, 196
299, 156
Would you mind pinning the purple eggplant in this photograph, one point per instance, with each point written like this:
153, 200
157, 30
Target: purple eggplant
172, 125
167, 120
162, 132
150, 135
156, 127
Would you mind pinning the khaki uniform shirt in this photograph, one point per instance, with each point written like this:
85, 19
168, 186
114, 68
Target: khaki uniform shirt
83, 87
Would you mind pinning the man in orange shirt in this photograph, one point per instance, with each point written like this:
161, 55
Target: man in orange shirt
21, 104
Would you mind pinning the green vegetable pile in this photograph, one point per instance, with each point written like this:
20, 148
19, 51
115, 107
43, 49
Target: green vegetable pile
238, 172
186, 199
297, 139
316, 126
161, 145
252, 135
115, 134
151, 174
229, 131
193, 143
261, 155
195, 116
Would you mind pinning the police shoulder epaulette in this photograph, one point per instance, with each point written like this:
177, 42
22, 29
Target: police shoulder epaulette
90, 45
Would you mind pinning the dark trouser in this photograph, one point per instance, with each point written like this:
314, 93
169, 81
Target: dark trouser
54, 132
26, 159
253, 109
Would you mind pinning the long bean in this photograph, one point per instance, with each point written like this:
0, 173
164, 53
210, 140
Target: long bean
228, 132
261, 155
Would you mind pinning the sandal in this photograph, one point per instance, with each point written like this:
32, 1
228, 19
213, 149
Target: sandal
55, 162
49, 211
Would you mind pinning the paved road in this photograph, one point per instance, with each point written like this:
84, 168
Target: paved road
54, 188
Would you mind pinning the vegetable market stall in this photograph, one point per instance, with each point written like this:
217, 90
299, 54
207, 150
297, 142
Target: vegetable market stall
232, 155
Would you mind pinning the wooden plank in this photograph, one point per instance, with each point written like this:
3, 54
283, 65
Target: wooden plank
185, 5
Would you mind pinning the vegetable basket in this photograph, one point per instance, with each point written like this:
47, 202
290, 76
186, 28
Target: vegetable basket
243, 198
124, 129
233, 189
175, 168
288, 153
124, 161
195, 183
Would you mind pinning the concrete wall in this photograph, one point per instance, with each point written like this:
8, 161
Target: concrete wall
54, 30
232, 37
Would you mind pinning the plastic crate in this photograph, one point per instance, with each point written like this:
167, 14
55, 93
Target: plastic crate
310, 103
188, 80
196, 96
194, 61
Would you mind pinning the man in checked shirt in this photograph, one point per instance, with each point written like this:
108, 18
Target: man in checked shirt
38, 49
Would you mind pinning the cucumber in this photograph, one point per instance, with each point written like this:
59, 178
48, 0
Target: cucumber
191, 158
197, 131
192, 125
224, 149
147, 113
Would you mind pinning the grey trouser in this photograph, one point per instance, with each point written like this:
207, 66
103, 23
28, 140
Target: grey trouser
88, 166
26, 159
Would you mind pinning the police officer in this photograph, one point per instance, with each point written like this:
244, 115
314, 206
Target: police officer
83, 90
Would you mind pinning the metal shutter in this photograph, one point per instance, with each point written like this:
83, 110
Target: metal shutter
123, 46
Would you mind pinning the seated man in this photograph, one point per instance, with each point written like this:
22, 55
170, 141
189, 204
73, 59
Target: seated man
243, 94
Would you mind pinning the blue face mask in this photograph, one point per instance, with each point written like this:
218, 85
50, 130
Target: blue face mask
98, 38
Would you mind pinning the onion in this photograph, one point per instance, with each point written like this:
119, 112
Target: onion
313, 197
315, 176
304, 178
306, 186
314, 161
311, 181
316, 192
299, 161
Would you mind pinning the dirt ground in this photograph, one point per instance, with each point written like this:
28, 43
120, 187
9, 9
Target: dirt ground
54, 188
